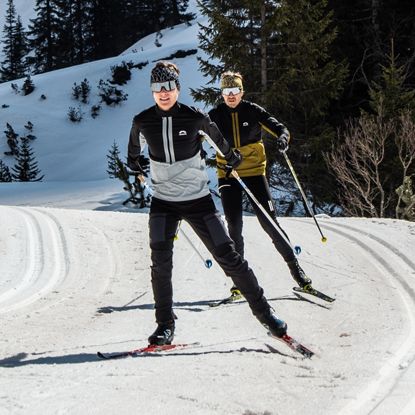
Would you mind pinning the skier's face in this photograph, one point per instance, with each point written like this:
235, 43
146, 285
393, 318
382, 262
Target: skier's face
232, 97
166, 99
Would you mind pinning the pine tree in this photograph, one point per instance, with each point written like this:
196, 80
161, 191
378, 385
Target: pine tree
28, 86
82, 12
26, 167
113, 166
61, 33
227, 41
135, 189
65, 39
366, 28
107, 27
6, 71
21, 49
392, 92
5, 175
74, 34
307, 80
44, 30
15, 46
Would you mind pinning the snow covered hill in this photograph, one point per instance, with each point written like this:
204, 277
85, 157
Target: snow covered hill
62, 147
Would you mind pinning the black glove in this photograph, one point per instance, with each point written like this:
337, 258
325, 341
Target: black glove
282, 143
233, 160
136, 169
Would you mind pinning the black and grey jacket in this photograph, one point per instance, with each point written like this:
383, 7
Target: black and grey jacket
178, 172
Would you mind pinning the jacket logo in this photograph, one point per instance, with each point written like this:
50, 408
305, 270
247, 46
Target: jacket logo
245, 124
182, 132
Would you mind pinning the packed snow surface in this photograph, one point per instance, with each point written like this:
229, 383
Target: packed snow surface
77, 281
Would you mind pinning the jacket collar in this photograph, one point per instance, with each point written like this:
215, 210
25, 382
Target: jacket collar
238, 107
172, 111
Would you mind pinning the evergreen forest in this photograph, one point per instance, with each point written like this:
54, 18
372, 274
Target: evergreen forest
339, 75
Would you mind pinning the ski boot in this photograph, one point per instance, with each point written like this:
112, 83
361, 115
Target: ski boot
235, 293
276, 327
163, 334
298, 274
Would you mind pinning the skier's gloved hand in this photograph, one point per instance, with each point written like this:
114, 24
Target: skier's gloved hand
135, 168
233, 160
282, 143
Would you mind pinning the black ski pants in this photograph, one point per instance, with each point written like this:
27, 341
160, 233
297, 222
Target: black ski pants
231, 194
202, 216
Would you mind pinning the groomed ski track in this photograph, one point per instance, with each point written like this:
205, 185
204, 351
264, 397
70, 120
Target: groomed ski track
73, 282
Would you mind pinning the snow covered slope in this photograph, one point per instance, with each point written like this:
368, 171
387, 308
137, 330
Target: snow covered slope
75, 282
68, 151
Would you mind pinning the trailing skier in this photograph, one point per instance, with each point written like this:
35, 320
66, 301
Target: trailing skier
241, 123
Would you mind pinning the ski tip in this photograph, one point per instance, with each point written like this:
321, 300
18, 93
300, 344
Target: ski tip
297, 250
314, 293
307, 354
112, 356
294, 345
297, 346
208, 263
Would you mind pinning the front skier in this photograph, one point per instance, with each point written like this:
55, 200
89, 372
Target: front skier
179, 178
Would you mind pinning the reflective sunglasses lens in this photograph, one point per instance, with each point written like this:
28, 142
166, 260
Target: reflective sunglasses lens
233, 91
158, 86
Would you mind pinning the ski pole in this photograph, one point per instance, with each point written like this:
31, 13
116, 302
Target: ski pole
323, 238
207, 262
296, 249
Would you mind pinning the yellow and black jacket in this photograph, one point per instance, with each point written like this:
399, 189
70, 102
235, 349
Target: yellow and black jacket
241, 127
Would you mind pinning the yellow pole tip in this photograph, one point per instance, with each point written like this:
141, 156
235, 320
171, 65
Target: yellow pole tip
323, 239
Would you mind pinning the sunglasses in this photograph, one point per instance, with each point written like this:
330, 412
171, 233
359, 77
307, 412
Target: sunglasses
168, 86
234, 91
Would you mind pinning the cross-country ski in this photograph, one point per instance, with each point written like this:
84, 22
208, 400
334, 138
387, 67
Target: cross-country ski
142, 351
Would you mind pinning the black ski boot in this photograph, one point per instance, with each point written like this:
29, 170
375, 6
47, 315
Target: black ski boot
273, 324
163, 334
298, 274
